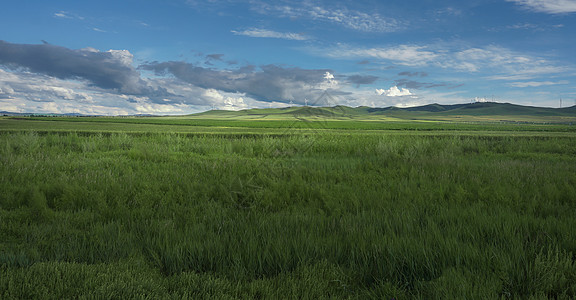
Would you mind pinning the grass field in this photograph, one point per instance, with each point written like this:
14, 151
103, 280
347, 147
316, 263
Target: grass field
204, 208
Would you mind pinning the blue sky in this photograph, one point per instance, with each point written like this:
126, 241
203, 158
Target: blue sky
186, 56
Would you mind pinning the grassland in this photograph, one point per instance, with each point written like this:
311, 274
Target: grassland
195, 208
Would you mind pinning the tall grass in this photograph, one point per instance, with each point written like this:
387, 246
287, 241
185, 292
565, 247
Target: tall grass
294, 216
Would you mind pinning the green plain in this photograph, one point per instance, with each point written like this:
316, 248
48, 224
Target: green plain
293, 208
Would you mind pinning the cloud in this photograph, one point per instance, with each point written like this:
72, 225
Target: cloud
413, 74
394, 92
328, 76
449, 11
536, 83
215, 56
62, 15
67, 15
6, 91
410, 84
265, 83
407, 55
497, 60
225, 102
355, 20
264, 33
33, 92
361, 79
531, 27
548, 6
60, 92
108, 70
329, 81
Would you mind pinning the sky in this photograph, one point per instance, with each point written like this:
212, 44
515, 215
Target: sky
174, 57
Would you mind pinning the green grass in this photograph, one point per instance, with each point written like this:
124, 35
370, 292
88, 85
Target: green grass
188, 124
177, 211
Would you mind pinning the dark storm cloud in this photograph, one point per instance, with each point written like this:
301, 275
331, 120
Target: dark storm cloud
108, 70
359, 79
266, 83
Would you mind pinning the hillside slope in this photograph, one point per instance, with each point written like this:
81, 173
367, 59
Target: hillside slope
481, 111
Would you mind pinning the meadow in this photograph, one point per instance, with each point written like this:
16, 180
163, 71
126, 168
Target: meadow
170, 208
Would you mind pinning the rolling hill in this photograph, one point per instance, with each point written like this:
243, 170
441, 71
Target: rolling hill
480, 111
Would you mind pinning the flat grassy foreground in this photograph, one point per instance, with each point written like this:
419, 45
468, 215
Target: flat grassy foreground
334, 214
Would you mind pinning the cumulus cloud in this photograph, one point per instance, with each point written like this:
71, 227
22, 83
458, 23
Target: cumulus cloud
108, 70
225, 102
394, 92
264, 33
548, 6
328, 76
265, 83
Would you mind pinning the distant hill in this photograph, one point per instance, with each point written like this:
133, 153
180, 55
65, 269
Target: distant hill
429, 111
480, 111
15, 114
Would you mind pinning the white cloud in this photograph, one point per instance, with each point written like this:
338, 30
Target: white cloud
32, 92
404, 54
154, 108
62, 14
5, 90
328, 76
63, 93
394, 92
67, 15
264, 33
123, 56
356, 20
510, 77
330, 81
536, 83
548, 6
494, 59
223, 101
